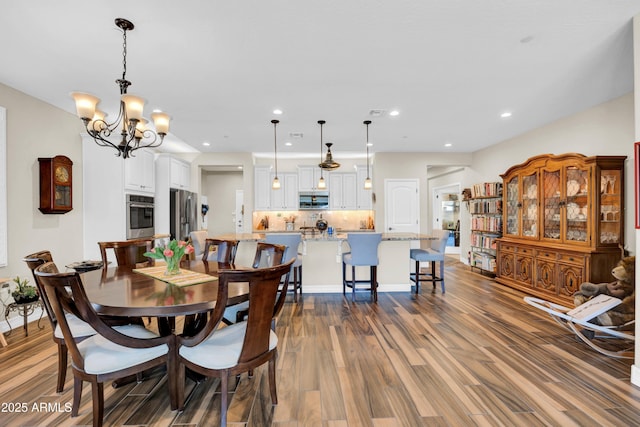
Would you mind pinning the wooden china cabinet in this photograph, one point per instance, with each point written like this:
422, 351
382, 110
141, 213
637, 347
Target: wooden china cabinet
563, 221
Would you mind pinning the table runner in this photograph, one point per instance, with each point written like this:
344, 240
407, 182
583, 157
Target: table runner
185, 278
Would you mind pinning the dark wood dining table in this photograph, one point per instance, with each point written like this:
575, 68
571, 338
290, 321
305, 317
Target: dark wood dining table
121, 291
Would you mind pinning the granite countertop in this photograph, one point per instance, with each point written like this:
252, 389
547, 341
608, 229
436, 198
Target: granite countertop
254, 237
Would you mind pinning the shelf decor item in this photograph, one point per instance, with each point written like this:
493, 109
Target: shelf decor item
171, 254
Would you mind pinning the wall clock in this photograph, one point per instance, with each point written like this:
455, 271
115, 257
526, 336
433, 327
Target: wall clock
56, 185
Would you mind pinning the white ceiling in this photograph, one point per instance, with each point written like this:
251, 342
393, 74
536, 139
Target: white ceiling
221, 67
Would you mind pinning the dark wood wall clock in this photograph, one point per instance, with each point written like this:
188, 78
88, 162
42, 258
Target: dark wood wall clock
56, 185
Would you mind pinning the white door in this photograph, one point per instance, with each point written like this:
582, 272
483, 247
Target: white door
402, 207
238, 216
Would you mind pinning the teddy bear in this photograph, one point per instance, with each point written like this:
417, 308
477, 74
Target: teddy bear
624, 288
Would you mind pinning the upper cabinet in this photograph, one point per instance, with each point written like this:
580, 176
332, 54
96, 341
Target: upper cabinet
139, 172
262, 188
364, 197
564, 223
173, 173
180, 174
308, 177
286, 197
342, 191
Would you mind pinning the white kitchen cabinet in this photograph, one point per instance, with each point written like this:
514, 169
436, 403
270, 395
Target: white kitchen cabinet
179, 174
139, 171
342, 191
364, 198
262, 188
286, 198
308, 177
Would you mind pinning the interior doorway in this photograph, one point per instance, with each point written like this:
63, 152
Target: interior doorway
446, 214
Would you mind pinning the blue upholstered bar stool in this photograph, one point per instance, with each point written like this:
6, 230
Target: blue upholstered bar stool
363, 252
433, 254
291, 241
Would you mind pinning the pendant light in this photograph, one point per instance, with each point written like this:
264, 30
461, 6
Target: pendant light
276, 182
322, 185
367, 181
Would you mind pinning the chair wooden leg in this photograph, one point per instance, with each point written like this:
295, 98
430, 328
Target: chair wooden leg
77, 396
295, 284
344, 278
62, 366
442, 275
433, 275
353, 283
272, 380
224, 386
417, 276
180, 379
97, 393
374, 282
300, 279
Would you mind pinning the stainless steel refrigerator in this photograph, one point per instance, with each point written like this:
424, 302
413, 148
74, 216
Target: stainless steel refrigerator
184, 214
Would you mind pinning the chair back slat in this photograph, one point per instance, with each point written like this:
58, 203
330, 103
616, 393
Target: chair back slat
128, 253
33, 261
268, 255
225, 249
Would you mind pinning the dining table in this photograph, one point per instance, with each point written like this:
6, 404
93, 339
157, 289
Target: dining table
149, 293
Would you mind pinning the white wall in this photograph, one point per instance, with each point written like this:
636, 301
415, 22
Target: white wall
37, 129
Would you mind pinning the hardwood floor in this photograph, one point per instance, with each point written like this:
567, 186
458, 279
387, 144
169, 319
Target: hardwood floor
475, 356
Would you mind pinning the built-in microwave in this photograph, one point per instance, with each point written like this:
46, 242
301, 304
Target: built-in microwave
313, 200
140, 216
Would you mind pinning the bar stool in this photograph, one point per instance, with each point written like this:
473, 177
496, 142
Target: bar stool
291, 241
363, 252
433, 254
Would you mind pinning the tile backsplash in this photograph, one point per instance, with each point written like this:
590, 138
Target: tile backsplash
293, 220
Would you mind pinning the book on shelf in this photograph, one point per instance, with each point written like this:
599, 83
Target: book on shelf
487, 189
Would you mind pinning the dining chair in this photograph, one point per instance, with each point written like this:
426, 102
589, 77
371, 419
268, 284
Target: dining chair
267, 255
225, 250
128, 252
363, 251
434, 253
79, 329
291, 241
198, 239
237, 348
112, 353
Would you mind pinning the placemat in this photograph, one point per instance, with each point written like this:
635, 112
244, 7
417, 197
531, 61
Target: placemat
185, 278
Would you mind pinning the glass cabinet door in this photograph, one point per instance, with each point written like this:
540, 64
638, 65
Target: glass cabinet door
577, 204
610, 203
512, 207
530, 205
551, 198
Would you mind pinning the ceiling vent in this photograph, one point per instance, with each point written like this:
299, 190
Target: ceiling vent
377, 113
296, 135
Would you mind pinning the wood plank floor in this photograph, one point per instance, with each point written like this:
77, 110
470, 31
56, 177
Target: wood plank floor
475, 356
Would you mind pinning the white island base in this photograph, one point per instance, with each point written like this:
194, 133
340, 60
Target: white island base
322, 262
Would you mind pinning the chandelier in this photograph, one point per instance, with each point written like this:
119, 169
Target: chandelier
132, 127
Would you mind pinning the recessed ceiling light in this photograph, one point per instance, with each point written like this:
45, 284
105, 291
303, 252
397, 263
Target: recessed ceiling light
448, 144
277, 111
206, 144
288, 144
505, 114
369, 144
394, 113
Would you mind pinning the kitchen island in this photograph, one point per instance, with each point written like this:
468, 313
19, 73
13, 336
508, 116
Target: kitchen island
322, 259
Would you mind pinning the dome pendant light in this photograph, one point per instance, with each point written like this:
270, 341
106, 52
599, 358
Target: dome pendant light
367, 181
322, 185
276, 182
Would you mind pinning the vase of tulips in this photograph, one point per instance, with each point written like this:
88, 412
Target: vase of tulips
172, 253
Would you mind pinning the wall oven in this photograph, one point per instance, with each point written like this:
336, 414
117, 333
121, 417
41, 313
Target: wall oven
139, 216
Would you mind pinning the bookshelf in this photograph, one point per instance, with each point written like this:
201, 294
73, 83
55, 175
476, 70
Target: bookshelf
485, 207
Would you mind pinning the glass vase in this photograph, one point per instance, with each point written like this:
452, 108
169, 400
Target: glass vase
173, 267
